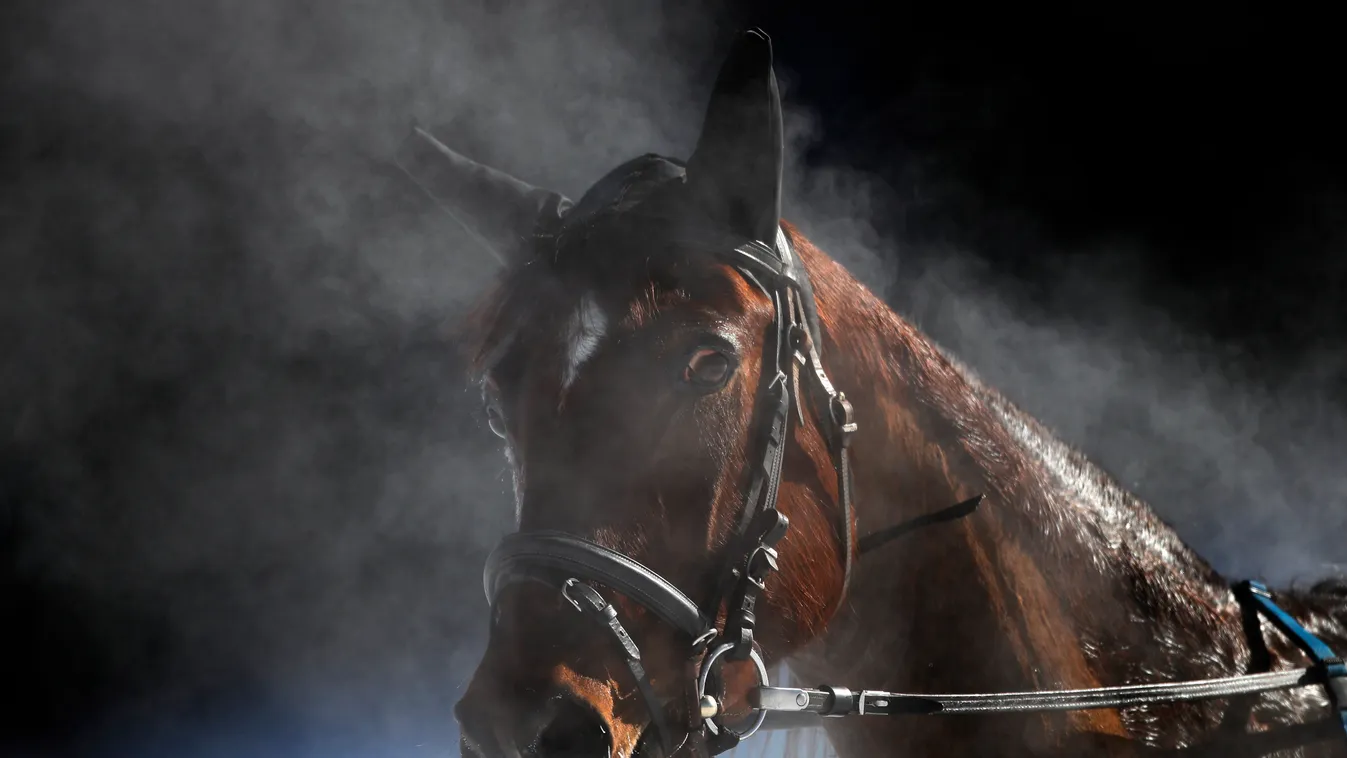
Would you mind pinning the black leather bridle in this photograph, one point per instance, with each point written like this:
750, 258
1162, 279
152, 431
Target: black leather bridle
571, 563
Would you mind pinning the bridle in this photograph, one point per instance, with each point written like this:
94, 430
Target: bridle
569, 562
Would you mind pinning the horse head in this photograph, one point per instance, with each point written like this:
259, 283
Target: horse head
653, 358
626, 358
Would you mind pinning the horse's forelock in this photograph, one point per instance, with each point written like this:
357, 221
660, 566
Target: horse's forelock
623, 260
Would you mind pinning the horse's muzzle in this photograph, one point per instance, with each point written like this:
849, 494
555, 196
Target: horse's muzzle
564, 727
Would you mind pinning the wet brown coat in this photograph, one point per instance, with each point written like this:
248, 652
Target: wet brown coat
1061, 579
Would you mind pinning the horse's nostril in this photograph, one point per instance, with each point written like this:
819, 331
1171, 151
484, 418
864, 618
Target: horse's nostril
576, 731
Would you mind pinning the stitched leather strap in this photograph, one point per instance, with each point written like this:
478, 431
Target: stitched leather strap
836, 701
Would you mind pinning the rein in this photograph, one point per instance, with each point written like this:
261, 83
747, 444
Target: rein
569, 563
1328, 670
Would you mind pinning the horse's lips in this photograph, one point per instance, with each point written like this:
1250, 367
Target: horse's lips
647, 745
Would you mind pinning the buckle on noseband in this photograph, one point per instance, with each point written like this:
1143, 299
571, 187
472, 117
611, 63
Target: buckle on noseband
605, 613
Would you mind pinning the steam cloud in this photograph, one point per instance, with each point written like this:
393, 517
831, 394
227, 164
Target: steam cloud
242, 466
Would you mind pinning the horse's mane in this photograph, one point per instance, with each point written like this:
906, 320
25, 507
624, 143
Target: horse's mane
1334, 588
1119, 531
998, 445
1327, 596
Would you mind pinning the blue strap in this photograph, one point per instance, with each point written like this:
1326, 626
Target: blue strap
1331, 666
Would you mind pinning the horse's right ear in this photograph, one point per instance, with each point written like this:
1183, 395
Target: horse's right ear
499, 211
735, 172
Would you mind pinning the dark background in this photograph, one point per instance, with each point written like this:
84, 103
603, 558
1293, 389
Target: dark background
245, 491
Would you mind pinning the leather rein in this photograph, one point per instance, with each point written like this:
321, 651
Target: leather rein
573, 565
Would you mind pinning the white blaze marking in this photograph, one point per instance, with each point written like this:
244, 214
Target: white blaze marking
583, 334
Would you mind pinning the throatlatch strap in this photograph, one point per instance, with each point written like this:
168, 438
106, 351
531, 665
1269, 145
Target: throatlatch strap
835, 418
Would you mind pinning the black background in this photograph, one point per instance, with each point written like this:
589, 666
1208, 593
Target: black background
246, 492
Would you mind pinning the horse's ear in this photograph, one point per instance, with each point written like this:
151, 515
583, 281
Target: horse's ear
499, 211
735, 172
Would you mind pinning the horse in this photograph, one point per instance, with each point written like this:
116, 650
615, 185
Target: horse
701, 409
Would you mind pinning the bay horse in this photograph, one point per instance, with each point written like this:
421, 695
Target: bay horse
701, 410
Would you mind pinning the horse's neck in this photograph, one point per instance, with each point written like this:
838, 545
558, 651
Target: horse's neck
1060, 579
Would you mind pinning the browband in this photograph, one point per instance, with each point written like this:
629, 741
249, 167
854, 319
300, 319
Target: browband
758, 260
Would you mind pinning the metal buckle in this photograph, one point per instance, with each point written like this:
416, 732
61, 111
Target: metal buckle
566, 593
597, 605
843, 417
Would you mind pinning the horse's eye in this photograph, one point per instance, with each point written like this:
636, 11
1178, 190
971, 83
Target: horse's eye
491, 400
708, 369
495, 420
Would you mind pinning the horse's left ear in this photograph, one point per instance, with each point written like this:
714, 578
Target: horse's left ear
735, 172
499, 211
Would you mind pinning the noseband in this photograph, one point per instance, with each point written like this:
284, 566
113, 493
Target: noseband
570, 563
